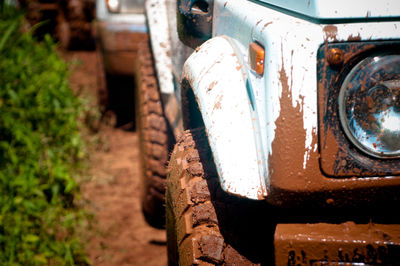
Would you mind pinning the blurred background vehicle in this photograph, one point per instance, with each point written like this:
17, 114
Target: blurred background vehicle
68, 20
120, 26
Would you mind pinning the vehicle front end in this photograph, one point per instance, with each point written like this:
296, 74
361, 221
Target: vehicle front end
301, 105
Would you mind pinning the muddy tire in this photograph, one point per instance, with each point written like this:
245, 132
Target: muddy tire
101, 79
155, 136
205, 225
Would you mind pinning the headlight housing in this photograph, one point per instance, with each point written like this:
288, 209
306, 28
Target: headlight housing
113, 6
358, 108
369, 106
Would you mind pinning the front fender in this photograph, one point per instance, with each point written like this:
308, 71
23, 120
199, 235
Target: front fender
220, 83
156, 11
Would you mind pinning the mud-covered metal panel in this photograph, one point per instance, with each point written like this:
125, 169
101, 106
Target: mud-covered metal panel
156, 12
286, 97
215, 74
337, 244
339, 156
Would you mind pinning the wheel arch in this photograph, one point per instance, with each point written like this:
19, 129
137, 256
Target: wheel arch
215, 93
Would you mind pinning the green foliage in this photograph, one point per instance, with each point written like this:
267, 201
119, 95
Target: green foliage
40, 148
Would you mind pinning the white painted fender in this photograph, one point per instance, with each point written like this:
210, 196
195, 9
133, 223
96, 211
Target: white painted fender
156, 13
220, 83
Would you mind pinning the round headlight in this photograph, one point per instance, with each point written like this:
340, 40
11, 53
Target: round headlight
369, 106
113, 5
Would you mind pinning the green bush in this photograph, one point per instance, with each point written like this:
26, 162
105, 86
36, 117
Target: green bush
40, 148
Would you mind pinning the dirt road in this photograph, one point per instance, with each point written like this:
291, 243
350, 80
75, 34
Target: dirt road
121, 235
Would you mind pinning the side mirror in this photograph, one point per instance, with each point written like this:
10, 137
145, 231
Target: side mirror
194, 19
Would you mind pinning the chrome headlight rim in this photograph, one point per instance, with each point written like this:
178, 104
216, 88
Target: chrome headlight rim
343, 117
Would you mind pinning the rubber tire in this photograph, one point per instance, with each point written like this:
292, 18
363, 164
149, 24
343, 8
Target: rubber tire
101, 80
63, 32
205, 225
155, 136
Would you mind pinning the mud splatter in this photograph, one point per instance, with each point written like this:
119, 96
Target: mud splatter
211, 86
217, 105
353, 38
266, 25
330, 32
288, 146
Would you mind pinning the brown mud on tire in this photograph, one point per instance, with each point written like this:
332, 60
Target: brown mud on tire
205, 225
156, 138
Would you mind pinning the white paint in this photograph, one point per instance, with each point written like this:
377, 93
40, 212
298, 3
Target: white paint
241, 137
156, 12
218, 81
290, 44
323, 9
102, 14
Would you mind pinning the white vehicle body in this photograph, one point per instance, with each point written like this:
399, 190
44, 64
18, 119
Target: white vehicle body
118, 34
241, 109
130, 13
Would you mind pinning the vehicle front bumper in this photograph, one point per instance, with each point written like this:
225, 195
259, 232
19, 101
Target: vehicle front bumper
118, 43
337, 244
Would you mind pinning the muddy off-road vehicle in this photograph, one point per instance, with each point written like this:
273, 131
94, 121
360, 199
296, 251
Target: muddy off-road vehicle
120, 26
291, 148
68, 20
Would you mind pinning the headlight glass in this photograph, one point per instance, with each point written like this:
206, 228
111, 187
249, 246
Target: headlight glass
369, 106
113, 5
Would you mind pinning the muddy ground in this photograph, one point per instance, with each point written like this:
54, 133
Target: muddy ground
120, 235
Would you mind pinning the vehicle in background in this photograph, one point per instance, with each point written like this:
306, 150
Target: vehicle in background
120, 26
292, 118
68, 20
